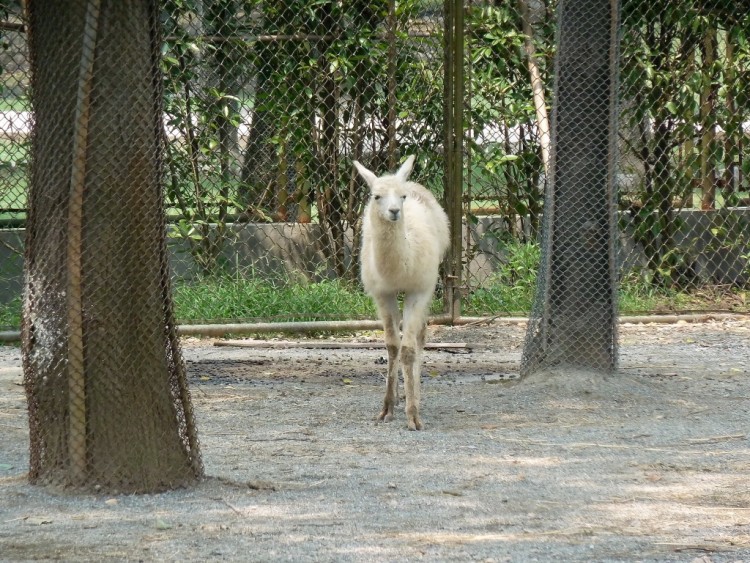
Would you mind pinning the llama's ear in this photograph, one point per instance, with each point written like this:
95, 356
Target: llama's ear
368, 176
405, 170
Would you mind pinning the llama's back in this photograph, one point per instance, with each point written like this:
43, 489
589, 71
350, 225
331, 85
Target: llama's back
433, 222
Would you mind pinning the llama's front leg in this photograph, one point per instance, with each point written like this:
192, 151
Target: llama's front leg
412, 344
388, 310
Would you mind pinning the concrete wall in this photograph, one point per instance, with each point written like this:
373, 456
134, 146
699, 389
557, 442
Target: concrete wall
710, 263
267, 250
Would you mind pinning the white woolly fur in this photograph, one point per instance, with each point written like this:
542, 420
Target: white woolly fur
405, 235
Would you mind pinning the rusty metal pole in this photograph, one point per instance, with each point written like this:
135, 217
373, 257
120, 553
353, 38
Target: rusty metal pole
453, 111
391, 34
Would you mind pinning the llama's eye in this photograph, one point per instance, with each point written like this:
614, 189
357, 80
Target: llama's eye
403, 197
376, 197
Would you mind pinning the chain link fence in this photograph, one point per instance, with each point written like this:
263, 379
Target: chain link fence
683, 184
238, 121
509, 49
681, 187
266, 104
15, 126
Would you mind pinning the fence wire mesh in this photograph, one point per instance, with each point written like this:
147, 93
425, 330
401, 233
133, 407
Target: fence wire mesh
15, 124
508, 89
238, 122
266, 104
683, 180
682, 186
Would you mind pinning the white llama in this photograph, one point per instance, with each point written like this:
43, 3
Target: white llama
404, 238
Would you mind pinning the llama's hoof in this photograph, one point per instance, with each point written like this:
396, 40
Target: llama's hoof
415, 424
412, 418
385, 416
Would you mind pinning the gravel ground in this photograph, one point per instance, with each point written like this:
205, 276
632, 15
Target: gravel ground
651, 464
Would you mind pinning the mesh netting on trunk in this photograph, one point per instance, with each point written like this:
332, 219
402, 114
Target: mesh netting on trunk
108, 400
573, 323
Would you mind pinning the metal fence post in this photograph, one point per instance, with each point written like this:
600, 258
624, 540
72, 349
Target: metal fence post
454, 157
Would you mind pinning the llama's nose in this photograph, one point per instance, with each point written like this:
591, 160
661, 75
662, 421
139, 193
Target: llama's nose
394, 214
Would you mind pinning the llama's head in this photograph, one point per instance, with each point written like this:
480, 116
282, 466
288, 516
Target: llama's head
388, 192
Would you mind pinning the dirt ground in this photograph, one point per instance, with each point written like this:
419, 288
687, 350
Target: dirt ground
652, 464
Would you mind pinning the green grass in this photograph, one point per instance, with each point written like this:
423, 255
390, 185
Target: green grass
498, 299
250, 300
15, 104
517, 301
509, 292
10, 314
13, 177
231, 299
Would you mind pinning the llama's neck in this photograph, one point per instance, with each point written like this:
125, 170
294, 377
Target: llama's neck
391, 245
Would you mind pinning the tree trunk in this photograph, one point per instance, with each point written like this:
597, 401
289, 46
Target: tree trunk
537, 86
664, 195
258, 174
220, 16
733, 126
331, 195
108, 400
575, 312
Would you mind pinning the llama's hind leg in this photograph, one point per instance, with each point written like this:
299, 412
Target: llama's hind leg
412, 344
389, 313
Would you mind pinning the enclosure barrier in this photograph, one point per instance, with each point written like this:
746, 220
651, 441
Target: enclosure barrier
264, 110
231, 127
